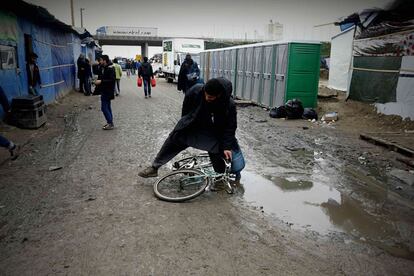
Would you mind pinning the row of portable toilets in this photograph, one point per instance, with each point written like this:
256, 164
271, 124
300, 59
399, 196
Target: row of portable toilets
268, 74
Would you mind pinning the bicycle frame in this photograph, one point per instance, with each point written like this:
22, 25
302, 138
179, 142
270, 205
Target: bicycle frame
214, 177
191, 181
191, 162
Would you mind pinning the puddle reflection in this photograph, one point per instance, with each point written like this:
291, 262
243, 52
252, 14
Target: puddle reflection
319, 207
289, 202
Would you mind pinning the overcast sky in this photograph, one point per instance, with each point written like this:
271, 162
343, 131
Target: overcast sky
210, 18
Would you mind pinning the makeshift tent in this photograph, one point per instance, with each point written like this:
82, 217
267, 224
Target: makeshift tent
340, 60
383, 72
382, 59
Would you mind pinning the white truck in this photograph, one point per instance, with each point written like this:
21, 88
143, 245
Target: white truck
174, 52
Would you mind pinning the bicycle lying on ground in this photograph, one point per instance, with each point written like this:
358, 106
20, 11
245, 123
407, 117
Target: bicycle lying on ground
191, 176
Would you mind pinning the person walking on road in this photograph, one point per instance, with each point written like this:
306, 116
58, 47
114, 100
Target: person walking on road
138, 65
133, 66
208, 122
189, 74
128, 68
118, 76
107, 86
13, 148
145, 72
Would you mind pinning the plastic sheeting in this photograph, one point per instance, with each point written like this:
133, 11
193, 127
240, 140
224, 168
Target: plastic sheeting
8, 29
374, 79
340, 60
403, 106
9, 80
396, 44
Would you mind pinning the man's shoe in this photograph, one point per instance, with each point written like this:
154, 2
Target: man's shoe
15, 152
149, 96
149, 172
108, 127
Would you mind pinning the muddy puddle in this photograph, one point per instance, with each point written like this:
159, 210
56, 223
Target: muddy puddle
307, 200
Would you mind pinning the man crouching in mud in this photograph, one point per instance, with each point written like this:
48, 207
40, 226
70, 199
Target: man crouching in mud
208, 122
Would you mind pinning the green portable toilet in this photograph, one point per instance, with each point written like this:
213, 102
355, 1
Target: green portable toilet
302, 76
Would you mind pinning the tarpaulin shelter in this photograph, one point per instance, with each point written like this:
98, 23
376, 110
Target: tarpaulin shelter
382, 59
26, 29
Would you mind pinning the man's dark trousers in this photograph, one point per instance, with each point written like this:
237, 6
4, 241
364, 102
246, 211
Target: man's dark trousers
106, 109
179, 141
147, 86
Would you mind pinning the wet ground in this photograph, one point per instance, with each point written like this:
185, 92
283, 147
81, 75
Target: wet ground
313, 200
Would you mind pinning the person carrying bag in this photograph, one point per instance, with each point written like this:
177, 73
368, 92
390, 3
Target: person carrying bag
145, 72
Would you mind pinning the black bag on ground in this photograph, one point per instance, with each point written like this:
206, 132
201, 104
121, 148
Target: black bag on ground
278, 112
310, 114
294, 109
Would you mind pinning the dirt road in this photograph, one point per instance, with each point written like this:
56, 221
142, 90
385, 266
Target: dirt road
315, 199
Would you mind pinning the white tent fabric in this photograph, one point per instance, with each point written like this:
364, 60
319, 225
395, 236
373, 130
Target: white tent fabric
340, 61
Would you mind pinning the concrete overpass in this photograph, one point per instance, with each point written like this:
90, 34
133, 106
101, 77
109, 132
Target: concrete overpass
146, 41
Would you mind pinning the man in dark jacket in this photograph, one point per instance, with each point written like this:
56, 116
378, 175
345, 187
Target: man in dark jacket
33, 74
146, 73
97, 70
107, 88
88, 77
208, 122
81, 63
189, 74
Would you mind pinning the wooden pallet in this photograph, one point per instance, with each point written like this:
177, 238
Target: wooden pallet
396, 141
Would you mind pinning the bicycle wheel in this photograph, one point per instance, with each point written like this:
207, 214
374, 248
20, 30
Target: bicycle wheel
181, 185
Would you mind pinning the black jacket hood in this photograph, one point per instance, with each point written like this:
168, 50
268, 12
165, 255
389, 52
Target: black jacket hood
228, 88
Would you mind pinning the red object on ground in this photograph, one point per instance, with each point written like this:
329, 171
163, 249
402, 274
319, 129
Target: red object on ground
153, 83
139, 82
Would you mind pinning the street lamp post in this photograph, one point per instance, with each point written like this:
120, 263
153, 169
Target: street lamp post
71, 13
81, 15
